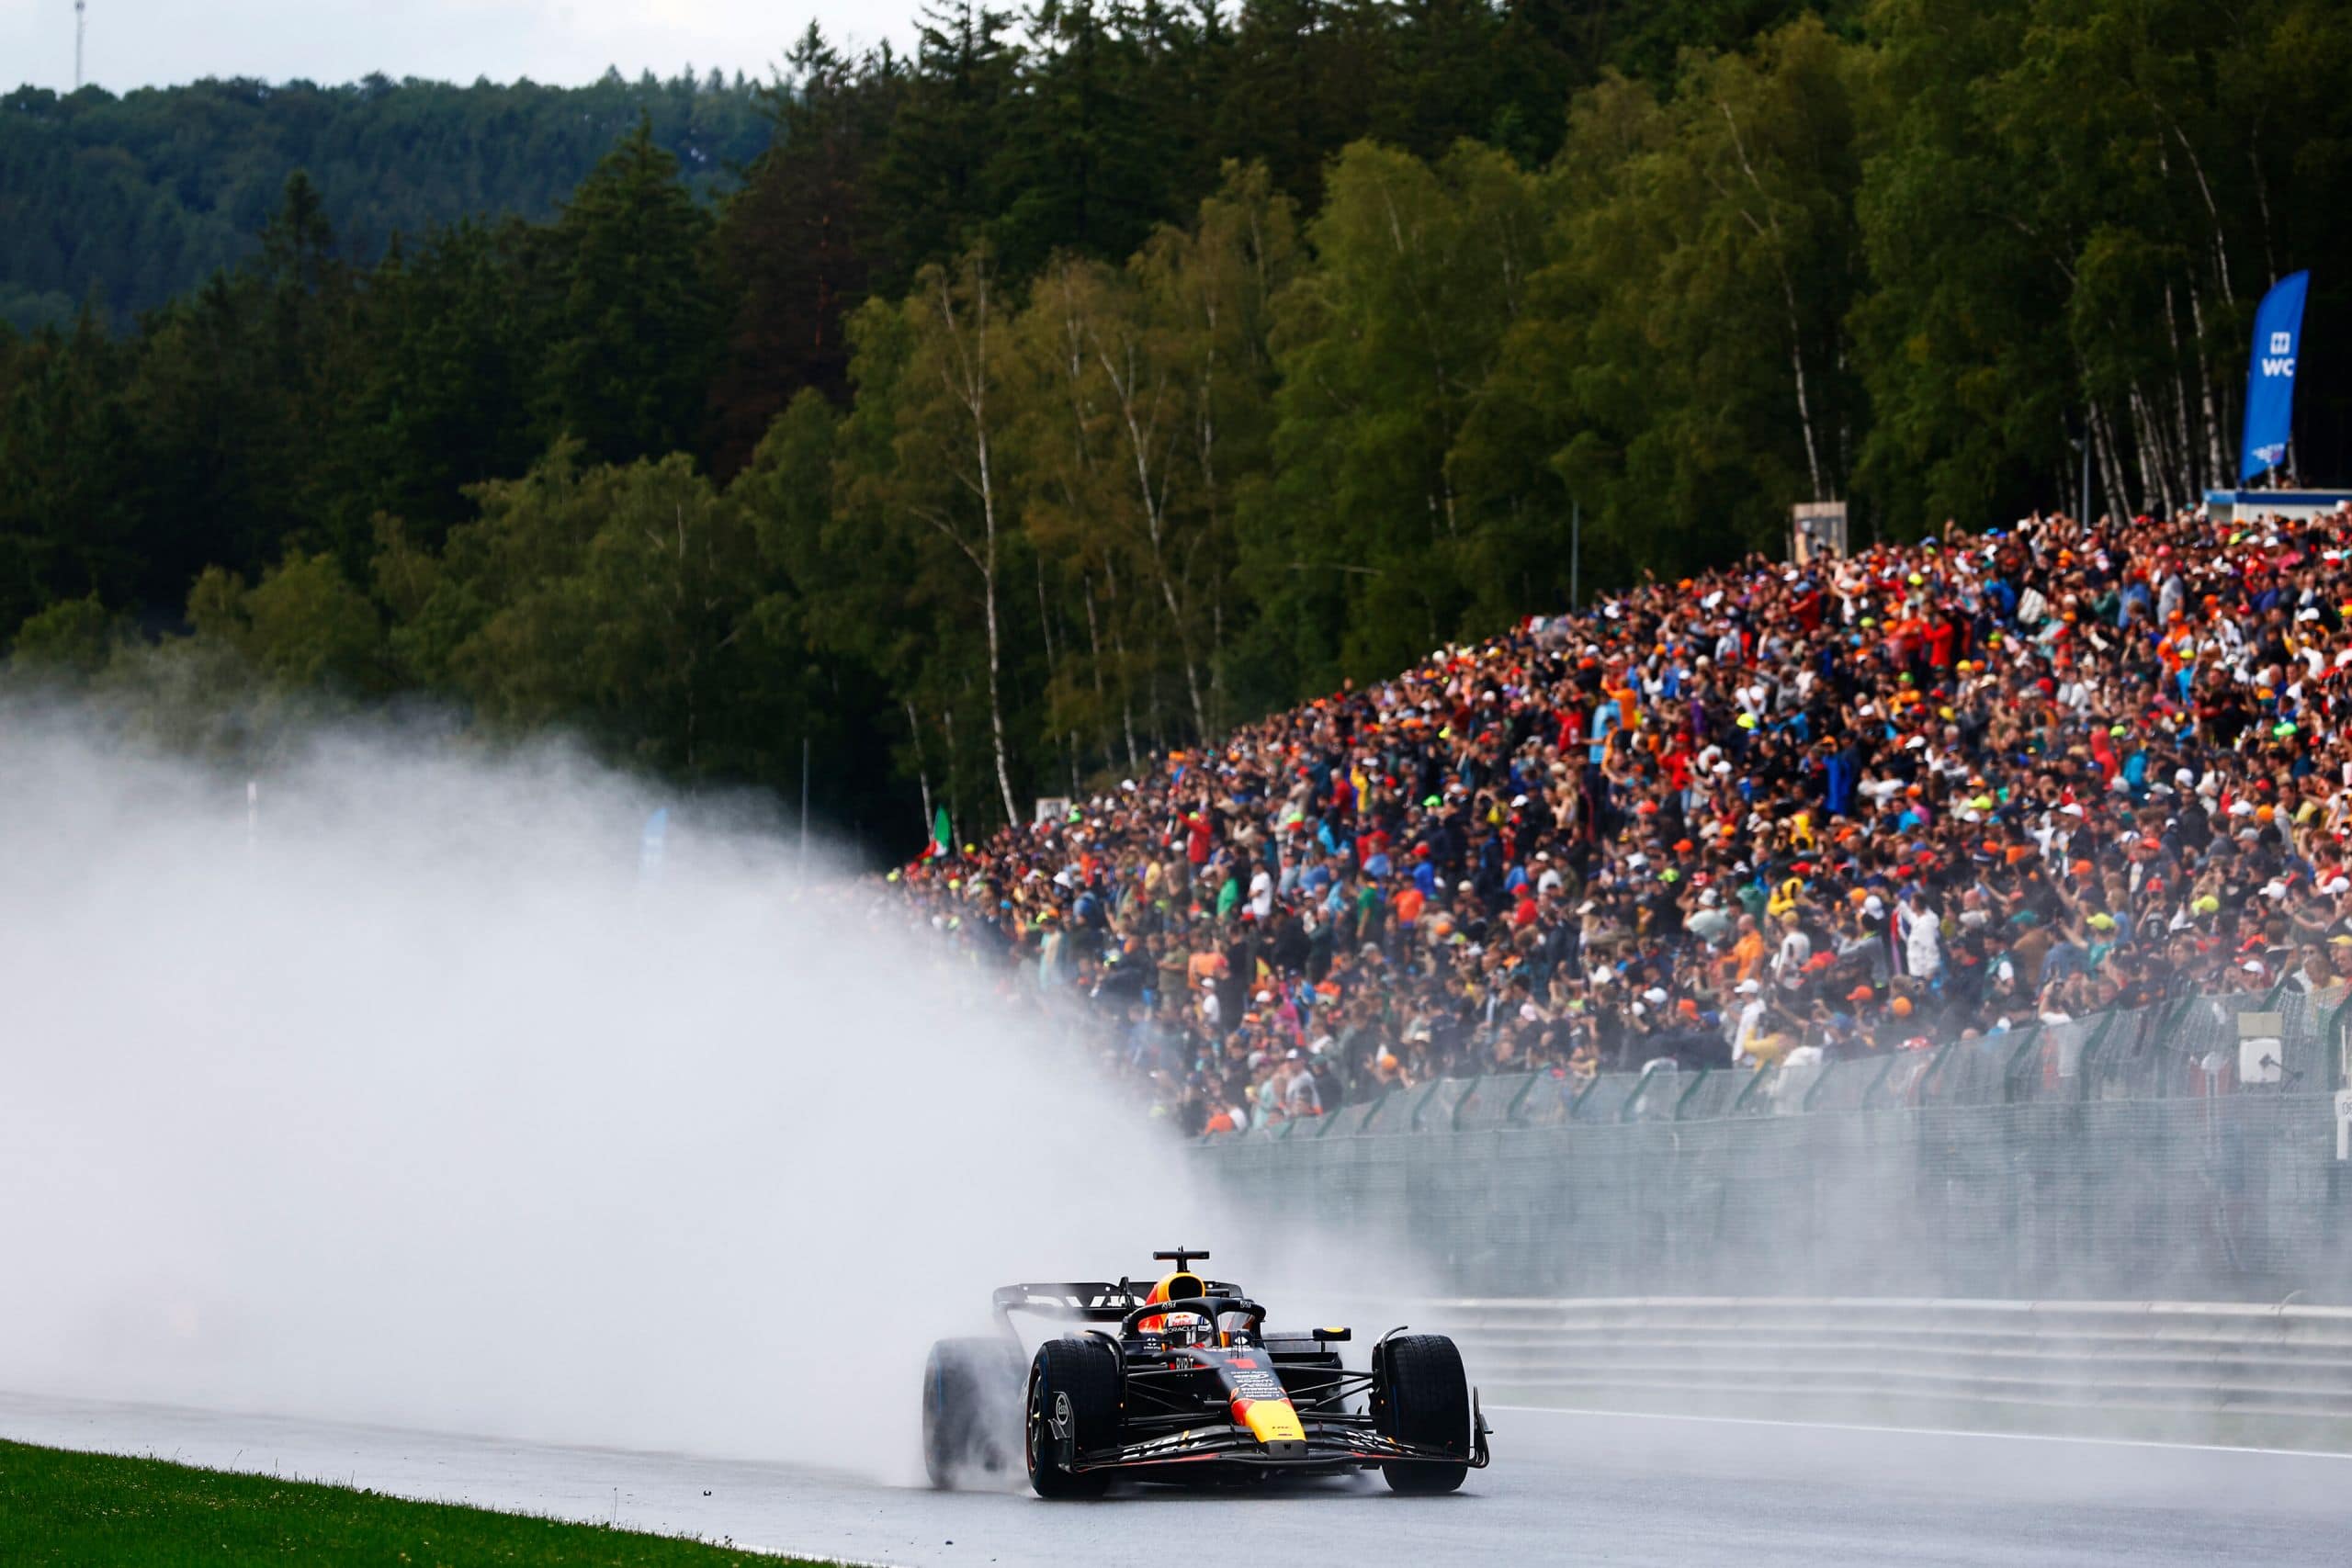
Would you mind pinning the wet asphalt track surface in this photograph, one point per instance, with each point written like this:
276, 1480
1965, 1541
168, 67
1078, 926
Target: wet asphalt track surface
1565, 1487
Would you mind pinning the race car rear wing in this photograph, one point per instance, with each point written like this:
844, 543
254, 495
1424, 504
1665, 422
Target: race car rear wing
1084, 1301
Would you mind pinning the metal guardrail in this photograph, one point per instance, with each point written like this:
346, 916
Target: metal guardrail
1878, 1356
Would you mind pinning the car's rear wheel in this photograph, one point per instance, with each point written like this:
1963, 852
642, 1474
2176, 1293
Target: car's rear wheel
1074, 1381
1420, 1395
971, 1411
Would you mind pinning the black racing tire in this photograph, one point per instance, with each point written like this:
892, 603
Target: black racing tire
1085, 1372
971, 1411
1420, 1395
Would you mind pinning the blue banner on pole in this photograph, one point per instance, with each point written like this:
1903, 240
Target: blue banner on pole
2270, 376
653, 844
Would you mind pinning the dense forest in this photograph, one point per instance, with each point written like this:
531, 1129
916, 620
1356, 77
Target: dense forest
1076, 386
126, 202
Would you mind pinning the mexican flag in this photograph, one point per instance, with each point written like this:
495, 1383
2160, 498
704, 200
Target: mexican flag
942, 837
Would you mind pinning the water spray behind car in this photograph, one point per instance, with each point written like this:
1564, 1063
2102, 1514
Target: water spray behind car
399, 1090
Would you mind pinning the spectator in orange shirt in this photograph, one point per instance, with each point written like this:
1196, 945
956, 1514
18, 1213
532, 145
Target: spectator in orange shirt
1748, 952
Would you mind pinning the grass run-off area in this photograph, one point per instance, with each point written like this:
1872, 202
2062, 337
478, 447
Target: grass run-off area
62, 1508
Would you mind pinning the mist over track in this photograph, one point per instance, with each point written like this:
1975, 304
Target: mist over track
420, 1091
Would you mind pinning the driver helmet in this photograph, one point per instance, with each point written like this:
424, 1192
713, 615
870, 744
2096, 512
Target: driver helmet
1184, 1328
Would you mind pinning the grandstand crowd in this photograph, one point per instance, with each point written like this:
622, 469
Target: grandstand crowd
1920, 793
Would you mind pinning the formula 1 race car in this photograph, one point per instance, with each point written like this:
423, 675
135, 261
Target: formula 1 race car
1180, 1382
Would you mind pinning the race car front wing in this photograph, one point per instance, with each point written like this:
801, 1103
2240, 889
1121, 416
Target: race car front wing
1329, 1444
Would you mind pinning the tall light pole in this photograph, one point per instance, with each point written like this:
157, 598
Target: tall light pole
1576, 555
81, 8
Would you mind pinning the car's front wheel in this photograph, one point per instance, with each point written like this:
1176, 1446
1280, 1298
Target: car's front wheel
1420, 1395
1074, 1389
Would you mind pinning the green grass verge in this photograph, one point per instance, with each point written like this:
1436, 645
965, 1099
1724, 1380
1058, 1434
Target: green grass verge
64, 1508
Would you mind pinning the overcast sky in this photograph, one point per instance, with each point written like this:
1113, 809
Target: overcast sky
135, 43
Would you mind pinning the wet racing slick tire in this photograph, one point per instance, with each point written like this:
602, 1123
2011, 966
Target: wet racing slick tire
971, 1410
1078, 1377
1420, 1395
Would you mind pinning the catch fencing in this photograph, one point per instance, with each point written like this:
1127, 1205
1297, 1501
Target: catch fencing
2116, 1157
2180, 1369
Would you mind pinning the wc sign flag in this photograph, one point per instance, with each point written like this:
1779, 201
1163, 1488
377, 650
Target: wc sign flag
2271, 377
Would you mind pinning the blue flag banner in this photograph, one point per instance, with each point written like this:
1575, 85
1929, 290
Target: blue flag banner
655, 842
2270, 376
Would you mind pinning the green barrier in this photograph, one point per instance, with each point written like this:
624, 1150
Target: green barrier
2018, 1075
1462, 1104
2014, 1068
1726, 1092
1683, 1101
1604, 1099
2091, 1048
1853, 1070
1830, 1073
1345, 1113
1576, 1106
1903, 1071
1629, 1111
2155, 1047
1927, 1080
1658, 1095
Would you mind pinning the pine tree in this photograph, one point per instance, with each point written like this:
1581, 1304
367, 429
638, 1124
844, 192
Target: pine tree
635, 327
